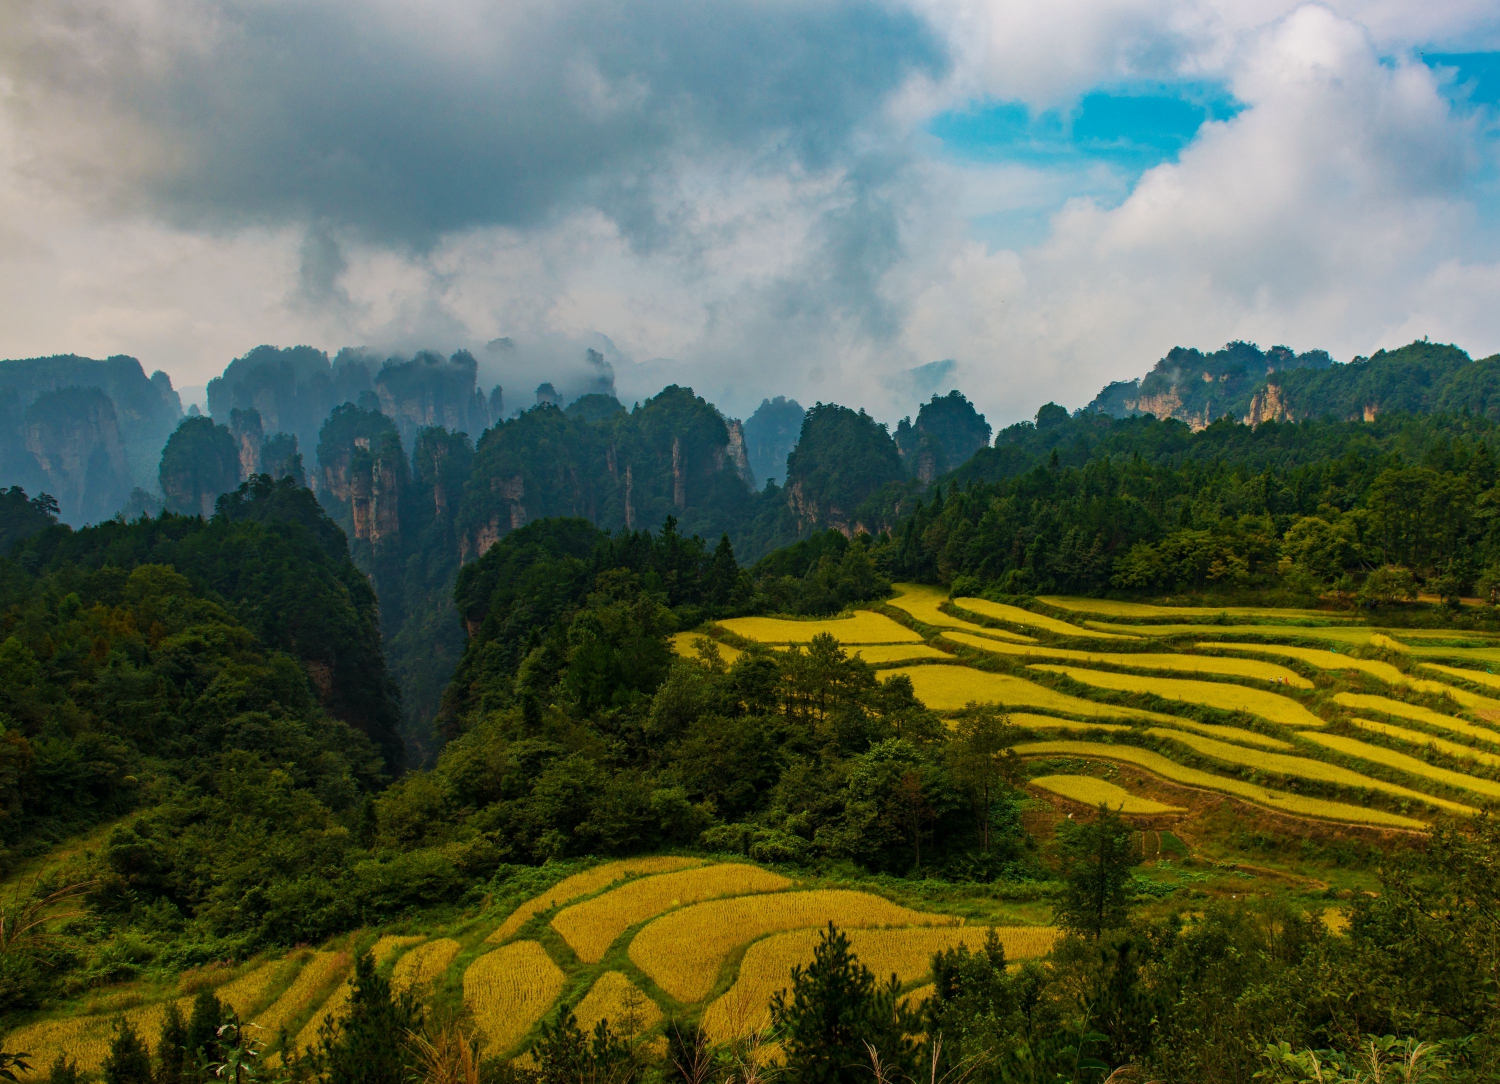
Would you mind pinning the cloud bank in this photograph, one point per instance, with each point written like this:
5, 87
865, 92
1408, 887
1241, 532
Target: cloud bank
748, 198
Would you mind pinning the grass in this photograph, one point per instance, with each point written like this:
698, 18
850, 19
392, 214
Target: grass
682, 952
1144, 660
587, 883
952, 688
1111, 608
1322, 659
1093, 792
418, 968
905, 953
862, 627
508, 990
591, 927
1212, 694
1015, 615
1416, 737
1302, 768
615, 998
1280, 801
922, 602
1386, 706
687, 645
1378, 754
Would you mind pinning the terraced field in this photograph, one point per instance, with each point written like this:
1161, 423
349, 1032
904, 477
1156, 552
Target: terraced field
922, 603
1223, 695
861, 627
1144, 660
1150, 611
1015, 615
1094, 792
952, 688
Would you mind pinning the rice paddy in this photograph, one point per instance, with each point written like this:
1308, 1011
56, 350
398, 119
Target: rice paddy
1213, 694
1416, 737
1094, 792
952, 688
615, 998
418, 968
1349, 634
1112, 608
1281, 801
875, 654
1235, 734
1015, 615
1478, 677
683, 951
307, 990
587, 883
922, 602
591, 927
1144, 660
508, 990
1302, 768
1379, 754
905, 953
1321, 658
1029, 721
862, 627
689, 646
1386, 706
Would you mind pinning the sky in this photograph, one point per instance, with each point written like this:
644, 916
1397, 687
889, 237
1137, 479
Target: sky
835, 200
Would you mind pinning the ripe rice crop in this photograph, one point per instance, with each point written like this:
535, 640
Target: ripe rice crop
585, 883
863, 627
1017, 616
389, 944
1387, 706
1028, 721
1294, 804
1416, 737
418, 968
922, 602
309, 988
1300, 768
1111, 608
1322, 659
914, 999
1231, 733
1213, 694
683, 951
686, 645
1145, 660
333, 1007
1349, 634
591, 927
905, 953
1091, 791
1379, 754
875, 654
615, 998
1479, 677
509, 989
952, 688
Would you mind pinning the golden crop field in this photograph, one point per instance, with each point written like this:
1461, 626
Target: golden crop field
922, 602
509, 989
318, 975
952, 688
1092, 791
686, 645
1294, 804
1379, 754
1302, 768
1478, 677
591, 927
1232, 733
863, 627
1017, 616
914, 999
683, 951
1144, 660
905, 953
1213, 694
1028, 721
1416, 737
615, 998
586, 883
1111, 608
1386, 706
387, 945
418, 968
875, 654
1321, 658
1349, 634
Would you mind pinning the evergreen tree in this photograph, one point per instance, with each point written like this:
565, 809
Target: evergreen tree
128, 1060
367, 1045
172, 1061
65, 1070
201, 1039
1096, 862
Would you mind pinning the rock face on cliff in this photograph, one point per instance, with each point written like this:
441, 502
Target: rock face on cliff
947, 432
429, 391
200, 462
83, 430
842, 460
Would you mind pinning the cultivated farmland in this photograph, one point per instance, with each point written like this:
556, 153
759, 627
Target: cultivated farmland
999, 611
509, 989
922, 603
1091, 791
861, 627
1417, 713
1145, 660
615, 998
952, 688
1441, 745
586, 883
1214, 694
1378, 754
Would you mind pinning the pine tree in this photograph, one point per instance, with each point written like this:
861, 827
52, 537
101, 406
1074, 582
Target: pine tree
172, 1061
128, 1060
201, 1041
1097, 859
367, 1045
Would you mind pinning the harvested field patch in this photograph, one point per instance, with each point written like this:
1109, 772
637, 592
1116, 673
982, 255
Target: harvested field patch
509, 989
1144, 660
1293, 804
418, 968
591, 927
1015, 615
586, 883
922, 602
687, 645
683, 951
615, 998
1379, 754
1213, 694
1111, 608
1092, 791
952, 688
1416, 737
1401, 709
1302, 768
905, 953
863, 627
